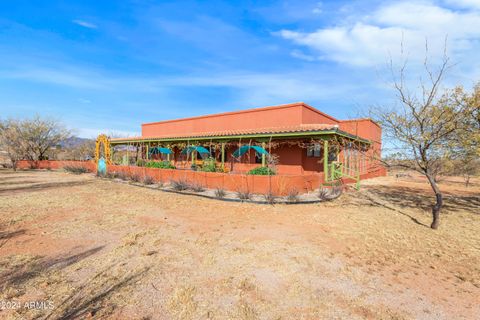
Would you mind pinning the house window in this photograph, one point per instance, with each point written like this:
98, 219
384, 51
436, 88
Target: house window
258, 158
332, 154
314, 151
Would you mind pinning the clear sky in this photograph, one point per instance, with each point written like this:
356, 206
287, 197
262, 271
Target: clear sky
108, 66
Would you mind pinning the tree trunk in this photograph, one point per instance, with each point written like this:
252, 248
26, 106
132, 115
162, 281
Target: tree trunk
467, 181
438, 205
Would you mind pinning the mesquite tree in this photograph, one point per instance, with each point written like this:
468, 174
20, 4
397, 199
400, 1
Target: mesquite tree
42, 134
31, 139
422, 125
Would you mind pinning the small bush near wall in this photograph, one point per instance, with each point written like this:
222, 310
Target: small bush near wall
198, 187
148, 180
262, 171
141, 163
220, 193
269, 197
135, 177
75, 169
180, 185
160, 165
244, 195
293, 195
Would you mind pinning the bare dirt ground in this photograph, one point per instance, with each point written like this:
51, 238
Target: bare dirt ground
91, 248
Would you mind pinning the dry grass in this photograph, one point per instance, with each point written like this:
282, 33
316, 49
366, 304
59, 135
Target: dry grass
101, 249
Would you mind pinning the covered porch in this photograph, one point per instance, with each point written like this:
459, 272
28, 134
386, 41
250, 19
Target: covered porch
332, 153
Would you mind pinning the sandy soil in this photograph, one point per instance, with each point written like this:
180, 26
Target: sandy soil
89, 248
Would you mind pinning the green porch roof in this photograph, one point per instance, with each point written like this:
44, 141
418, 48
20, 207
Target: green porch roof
323, 134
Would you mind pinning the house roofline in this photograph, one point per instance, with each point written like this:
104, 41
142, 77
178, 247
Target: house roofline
281, 106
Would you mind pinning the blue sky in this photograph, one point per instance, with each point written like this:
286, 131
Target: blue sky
108, 66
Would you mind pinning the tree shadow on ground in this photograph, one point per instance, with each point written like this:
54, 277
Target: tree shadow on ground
43, 186
91, 298
25, 271
4, 178
373, 201
404, 197
5, 236
11, 183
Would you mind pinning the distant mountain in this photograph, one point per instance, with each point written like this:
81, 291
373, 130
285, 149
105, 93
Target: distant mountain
73, 142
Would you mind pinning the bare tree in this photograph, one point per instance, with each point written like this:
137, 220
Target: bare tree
42, 134
11, 141
30, 138
421, 125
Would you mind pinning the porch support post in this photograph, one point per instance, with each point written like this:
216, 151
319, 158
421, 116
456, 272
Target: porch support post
128, 154
147, 152
263, 154
325, 160
223, 156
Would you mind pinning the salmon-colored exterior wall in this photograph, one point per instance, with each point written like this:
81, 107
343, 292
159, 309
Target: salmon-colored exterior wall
279, 116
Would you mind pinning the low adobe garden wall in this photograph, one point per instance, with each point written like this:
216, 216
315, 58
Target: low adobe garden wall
55, 164
279, 185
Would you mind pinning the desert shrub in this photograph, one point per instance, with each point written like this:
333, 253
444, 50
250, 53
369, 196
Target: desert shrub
293, 195
180, 185
197, 187
121, 175
269, 197
330, 194
220, 193
75, 169
141, 163
323, 193
160, 164
135, 177
244, 195
262, 171
111, 175
148, 180
209, 165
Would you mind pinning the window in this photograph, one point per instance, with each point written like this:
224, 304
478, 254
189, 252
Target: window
314, 151
332, 154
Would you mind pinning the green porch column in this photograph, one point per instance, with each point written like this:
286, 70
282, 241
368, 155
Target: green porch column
263, 154
147, 151
223, 156
325, 160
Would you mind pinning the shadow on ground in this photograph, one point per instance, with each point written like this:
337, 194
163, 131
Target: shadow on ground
30, 269
406, 198
92, 298
5, 236
43, 186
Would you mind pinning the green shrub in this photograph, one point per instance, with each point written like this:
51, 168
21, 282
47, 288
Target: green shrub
262, 171
209, 165
160, 164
